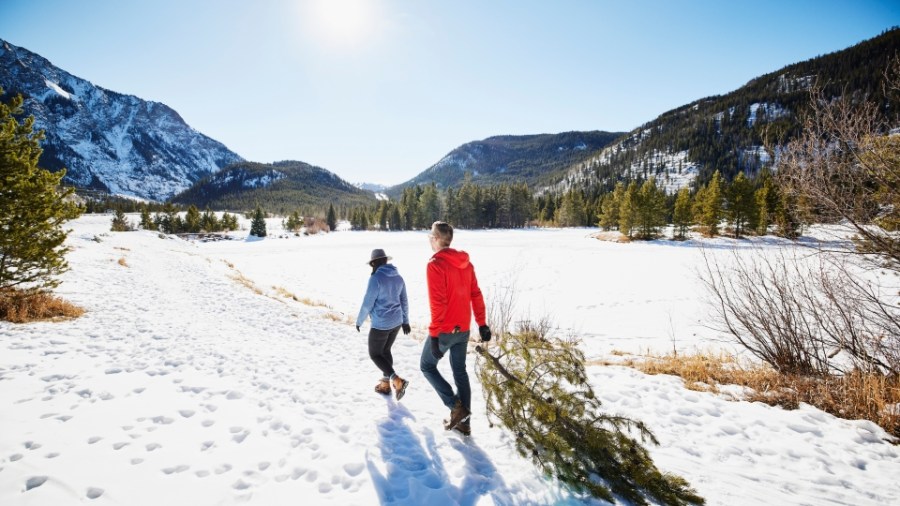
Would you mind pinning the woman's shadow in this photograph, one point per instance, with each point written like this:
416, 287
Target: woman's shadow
414, 474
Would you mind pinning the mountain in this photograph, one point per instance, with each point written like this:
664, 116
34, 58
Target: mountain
729, 132
281, 187
106, 140
534, 159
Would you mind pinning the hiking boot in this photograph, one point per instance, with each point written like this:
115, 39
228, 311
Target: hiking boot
399, 386
457, 415
462, 427
383, 387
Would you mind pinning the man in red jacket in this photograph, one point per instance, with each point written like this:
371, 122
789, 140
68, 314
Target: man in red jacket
453, 295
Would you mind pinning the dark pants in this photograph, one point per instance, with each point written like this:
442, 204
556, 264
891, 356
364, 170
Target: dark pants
455, 345
380, 342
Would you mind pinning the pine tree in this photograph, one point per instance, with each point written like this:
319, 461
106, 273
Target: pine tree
537, 388
331, 218
192, 220
146, 219
683, 217
32, 207
258, 224
627, 209
396, 222
209, 222
711, 206
741, 209
294, 222
609, 208
120, 223
650, 209
229, 221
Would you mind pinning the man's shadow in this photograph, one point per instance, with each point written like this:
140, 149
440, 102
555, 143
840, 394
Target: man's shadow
415, 475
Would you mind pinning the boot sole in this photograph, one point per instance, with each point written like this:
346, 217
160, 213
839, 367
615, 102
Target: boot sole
402, 391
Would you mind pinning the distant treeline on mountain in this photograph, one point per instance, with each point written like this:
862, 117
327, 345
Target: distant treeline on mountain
535, 160
742, 130
281, 187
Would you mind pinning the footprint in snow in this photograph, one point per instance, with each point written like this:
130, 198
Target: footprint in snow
35, 482
176, 469
186, 413
93, 492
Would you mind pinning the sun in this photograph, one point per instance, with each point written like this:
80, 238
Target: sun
340, 24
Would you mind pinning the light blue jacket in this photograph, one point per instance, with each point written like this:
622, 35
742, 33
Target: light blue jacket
385, 300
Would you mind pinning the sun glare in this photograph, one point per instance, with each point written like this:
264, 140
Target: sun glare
340, 24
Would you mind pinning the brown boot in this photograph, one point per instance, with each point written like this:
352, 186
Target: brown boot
462, 427
399, 386
383, 387
457, 415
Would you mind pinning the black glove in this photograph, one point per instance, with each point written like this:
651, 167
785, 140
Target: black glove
435, 348
485, 332
357, 328
406, 329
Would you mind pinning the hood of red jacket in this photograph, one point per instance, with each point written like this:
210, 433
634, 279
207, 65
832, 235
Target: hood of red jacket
456, 258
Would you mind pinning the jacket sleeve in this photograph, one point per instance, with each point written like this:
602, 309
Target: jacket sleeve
477, 301
368, 301
437, 297
404, 302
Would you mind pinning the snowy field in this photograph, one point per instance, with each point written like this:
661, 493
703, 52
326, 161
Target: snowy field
194, 378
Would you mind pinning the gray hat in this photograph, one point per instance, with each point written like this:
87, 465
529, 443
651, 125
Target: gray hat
378, 253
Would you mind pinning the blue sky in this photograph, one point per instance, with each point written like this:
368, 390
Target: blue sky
379, 90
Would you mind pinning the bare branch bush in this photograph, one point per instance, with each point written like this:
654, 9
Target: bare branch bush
806, 315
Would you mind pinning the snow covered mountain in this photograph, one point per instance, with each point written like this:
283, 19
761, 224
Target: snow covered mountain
106, 140
728, 132
534, 159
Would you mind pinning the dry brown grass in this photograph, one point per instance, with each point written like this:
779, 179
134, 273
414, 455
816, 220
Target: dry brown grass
240, 278
853, 396
122, 262
23, 307
611, 236
280, 290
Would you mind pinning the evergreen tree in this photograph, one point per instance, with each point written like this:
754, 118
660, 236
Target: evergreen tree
258, 225
650, 209
628, 209
229, 221
294, 222
120, 223
331, 218
537, 388
192, 220
209, 222
32, 207
609, 208
711, 206
396, 221
683, 217
766, 202
741, 208
146, 219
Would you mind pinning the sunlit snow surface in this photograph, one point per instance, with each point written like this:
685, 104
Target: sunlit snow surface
195, 378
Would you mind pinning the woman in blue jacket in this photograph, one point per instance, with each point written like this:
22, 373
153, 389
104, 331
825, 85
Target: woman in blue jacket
386, 302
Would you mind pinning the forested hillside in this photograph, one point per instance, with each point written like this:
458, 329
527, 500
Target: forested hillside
281, 187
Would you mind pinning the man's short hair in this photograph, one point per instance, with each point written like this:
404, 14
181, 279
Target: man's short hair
443, 232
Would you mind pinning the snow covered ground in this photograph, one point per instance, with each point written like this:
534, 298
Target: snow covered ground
194, 378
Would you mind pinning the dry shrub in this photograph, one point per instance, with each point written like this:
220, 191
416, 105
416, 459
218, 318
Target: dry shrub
22, 307
285, 293
856, 395
316, 225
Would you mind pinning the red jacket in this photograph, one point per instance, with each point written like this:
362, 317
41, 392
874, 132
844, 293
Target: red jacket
453, 292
